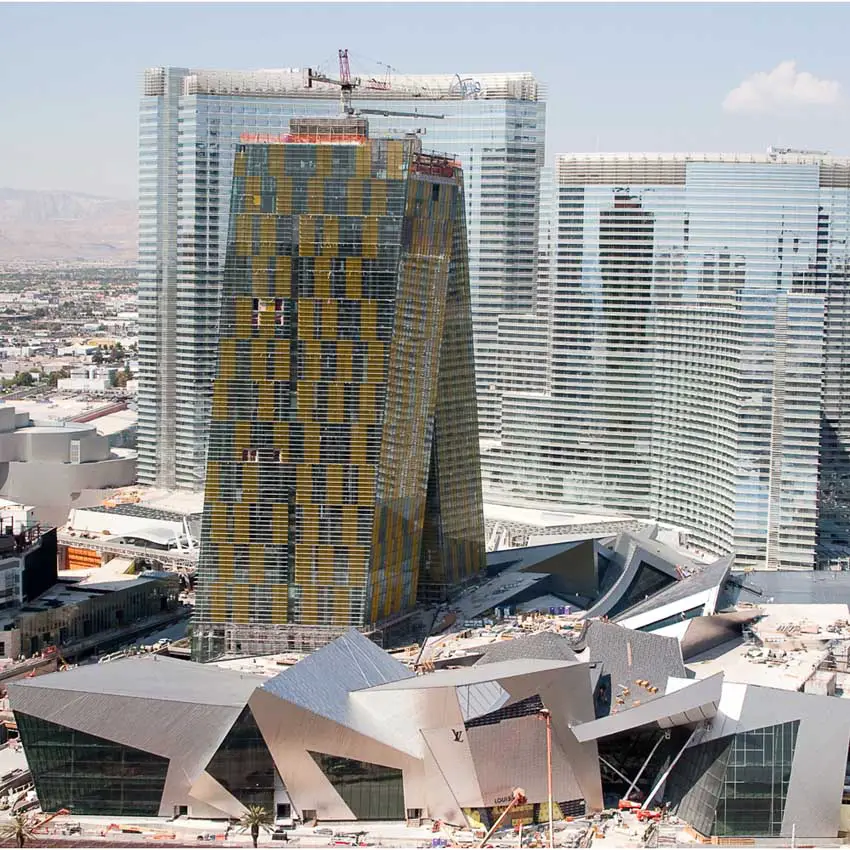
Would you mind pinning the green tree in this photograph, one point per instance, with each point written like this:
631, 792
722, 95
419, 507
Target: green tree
97, 357
121, 377
255, 819
23, 379
19, 828
53, 377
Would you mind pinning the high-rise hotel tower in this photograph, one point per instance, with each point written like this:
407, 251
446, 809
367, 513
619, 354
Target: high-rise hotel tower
343, 478
692, 332
190, 123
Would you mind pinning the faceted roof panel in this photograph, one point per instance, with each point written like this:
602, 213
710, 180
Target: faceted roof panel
153, 677
546, 645
706, 578
627, 655
323, 680
476, 674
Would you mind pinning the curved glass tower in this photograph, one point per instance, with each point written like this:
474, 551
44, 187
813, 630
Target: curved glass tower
190, 124
697, 326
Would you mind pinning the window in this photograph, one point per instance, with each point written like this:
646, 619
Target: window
250, 455
736, 785
243, 764
90, 775
752, 799
647, 582
371, 791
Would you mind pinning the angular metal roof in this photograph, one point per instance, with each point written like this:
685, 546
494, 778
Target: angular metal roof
626, 655
477, 674
545, 645
152, 677
323, 680
712, 575
690, 704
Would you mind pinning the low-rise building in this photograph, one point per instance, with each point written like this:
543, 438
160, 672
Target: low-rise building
88, 379
351, 734
42, 607
49, 464
88, 609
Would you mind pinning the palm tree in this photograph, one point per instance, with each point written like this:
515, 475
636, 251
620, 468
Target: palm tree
255, 819
20, 828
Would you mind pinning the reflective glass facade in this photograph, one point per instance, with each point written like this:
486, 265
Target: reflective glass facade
343, 474
190, 124
89, 775
736, 785
371, 791
695, 328
244, 765
647, 582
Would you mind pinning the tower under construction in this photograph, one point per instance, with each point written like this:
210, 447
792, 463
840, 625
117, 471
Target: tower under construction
343, 480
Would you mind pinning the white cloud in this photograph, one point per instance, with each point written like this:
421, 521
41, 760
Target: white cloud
783, 89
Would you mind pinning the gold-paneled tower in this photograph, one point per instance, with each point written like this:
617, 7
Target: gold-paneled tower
343, 480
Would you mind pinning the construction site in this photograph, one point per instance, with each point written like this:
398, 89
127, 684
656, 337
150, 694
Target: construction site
558, 729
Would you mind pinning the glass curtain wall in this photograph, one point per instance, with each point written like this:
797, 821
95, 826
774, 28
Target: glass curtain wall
371, 791
89, 775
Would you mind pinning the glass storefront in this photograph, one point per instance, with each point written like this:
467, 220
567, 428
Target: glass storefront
243, 764
752, 800
736, 785
89, 775
371, 791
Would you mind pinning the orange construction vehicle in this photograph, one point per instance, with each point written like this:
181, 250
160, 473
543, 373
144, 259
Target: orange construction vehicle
49, 818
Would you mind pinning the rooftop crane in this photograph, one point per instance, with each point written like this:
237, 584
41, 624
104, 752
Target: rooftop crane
347, 84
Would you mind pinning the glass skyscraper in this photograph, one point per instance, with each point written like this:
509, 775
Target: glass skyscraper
343, 480
190, 124
696, 329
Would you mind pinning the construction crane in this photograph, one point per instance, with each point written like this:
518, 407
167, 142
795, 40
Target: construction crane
347, 84
386, 83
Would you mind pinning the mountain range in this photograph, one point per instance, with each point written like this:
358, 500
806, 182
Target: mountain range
66, 227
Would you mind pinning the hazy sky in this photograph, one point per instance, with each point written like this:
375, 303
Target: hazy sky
630, 77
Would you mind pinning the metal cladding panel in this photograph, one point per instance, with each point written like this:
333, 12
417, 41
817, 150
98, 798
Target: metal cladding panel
626, 655
711, 577
522, 687
187, 735
323, 681
440, 801
540, 645
704, 633
813, 804
700, 698
454, 760
396, 716
569, 701
514, 668
150, 677
290, 731
512, 754
476, 700
211, 793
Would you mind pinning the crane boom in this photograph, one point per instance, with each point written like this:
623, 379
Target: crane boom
347, 84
